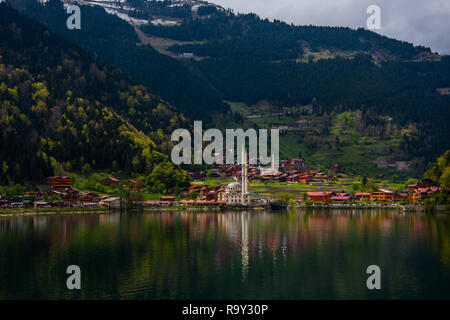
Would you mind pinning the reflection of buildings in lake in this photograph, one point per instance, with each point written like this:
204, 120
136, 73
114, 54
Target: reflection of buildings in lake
244, 245
109, 219
262, 235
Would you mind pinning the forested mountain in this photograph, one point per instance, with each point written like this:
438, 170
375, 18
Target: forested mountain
249, 59
243, 58
111, 39
59, 107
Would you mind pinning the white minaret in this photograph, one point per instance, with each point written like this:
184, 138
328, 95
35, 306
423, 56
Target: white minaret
244, 178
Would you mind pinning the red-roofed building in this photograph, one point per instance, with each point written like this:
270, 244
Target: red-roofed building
320, 196
382, 195
129, 184
360, 196
167, 199
340, 199
57, 182
110, 182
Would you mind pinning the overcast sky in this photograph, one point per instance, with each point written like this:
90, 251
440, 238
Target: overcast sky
422, 22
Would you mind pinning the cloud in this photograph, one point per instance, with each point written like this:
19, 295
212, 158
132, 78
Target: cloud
420, 22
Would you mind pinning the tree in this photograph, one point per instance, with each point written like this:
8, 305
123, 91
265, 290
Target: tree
364, 181
177, 190
410, 181
166, 176
193, 195
445, 178
140, 183
286, 197
440, 171
16, 190
86, 169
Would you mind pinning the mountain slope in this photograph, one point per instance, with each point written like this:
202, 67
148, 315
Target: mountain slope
242, 58
58, 106
114, 40
250, 60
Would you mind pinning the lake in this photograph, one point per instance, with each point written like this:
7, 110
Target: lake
299, 254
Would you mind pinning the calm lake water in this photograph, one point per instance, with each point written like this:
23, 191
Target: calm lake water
316, 254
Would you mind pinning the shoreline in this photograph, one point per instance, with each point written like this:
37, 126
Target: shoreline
48, 211
61, 211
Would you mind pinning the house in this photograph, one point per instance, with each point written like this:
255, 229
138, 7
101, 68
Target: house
340, 198
41, 204
112, 203
71, 196
57, 182
382, 195
417, 195
188, 55
294, 164
129, 184
336, 168
295, 125
422, 190
305, 179
403, 166
212, 195
90, 197
86, 198
401, 197
110, 182
423, 193
361, 196
320, 196
381, 163
167, 199
200, 175
416, 186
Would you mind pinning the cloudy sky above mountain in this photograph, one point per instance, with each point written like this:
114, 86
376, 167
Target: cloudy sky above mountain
422, 22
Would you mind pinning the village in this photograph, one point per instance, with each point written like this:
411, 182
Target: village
294, 184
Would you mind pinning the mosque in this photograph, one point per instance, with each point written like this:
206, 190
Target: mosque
237, 193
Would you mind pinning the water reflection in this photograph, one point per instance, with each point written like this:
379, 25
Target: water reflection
313, 254
244, 244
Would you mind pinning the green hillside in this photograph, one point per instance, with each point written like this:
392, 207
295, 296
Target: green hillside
361, 143
111, 39
243, 58
60, 108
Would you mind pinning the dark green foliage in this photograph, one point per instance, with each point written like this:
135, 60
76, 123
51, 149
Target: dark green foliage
440, 171
206, 10
58, 106
247, 34
249, 59
406, 91
165, 176
112, 39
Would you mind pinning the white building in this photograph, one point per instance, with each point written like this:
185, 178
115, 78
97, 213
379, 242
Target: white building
237, 193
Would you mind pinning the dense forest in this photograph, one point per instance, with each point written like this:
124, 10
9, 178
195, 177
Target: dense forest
60, 108
112, 39
243, 58
440, 171
248, 34
249, 59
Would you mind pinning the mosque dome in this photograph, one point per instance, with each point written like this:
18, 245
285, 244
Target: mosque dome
234, 186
